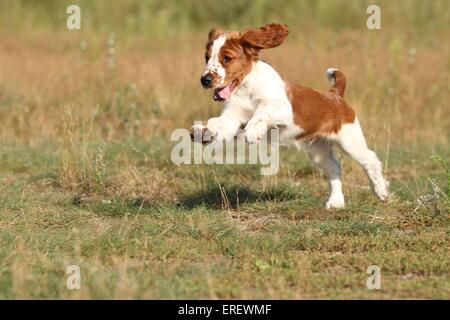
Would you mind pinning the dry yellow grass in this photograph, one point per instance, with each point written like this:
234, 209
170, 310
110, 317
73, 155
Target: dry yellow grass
392, 81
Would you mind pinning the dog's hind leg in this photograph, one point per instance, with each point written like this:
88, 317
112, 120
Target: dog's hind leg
352, 141
322, 155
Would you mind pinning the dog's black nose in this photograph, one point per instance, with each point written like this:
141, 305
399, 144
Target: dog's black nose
206, 80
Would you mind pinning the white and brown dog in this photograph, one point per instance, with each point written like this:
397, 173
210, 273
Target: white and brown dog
257, 97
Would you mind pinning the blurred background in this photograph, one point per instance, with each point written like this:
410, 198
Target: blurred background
162, 18
86, 117
132, 70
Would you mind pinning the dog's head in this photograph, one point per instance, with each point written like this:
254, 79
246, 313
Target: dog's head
230, 54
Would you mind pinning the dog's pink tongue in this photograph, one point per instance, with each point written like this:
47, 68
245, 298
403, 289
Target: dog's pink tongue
225, 92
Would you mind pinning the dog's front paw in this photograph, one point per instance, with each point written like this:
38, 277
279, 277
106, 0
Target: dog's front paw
381, 189
200, 133
335, 204
255, 134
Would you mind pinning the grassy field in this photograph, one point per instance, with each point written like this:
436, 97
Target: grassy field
86, 177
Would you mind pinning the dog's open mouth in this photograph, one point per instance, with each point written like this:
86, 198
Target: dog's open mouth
223, 93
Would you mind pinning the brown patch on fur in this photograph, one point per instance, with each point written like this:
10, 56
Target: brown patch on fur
318, 113
213, 34
339, 83
240, 58
269, 36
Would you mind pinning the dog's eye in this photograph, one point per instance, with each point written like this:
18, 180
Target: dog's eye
206, 58
227, 59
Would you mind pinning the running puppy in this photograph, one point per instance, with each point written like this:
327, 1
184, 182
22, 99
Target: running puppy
257, 97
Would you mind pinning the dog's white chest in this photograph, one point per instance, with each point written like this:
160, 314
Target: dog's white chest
263, 94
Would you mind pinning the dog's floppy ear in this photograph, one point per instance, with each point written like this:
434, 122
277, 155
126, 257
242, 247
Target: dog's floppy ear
269, 36
214, 33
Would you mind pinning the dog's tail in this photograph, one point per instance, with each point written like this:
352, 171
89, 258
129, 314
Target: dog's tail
337, 80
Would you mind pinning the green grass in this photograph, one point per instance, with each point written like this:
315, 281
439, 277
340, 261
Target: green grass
170, 17
265, 242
